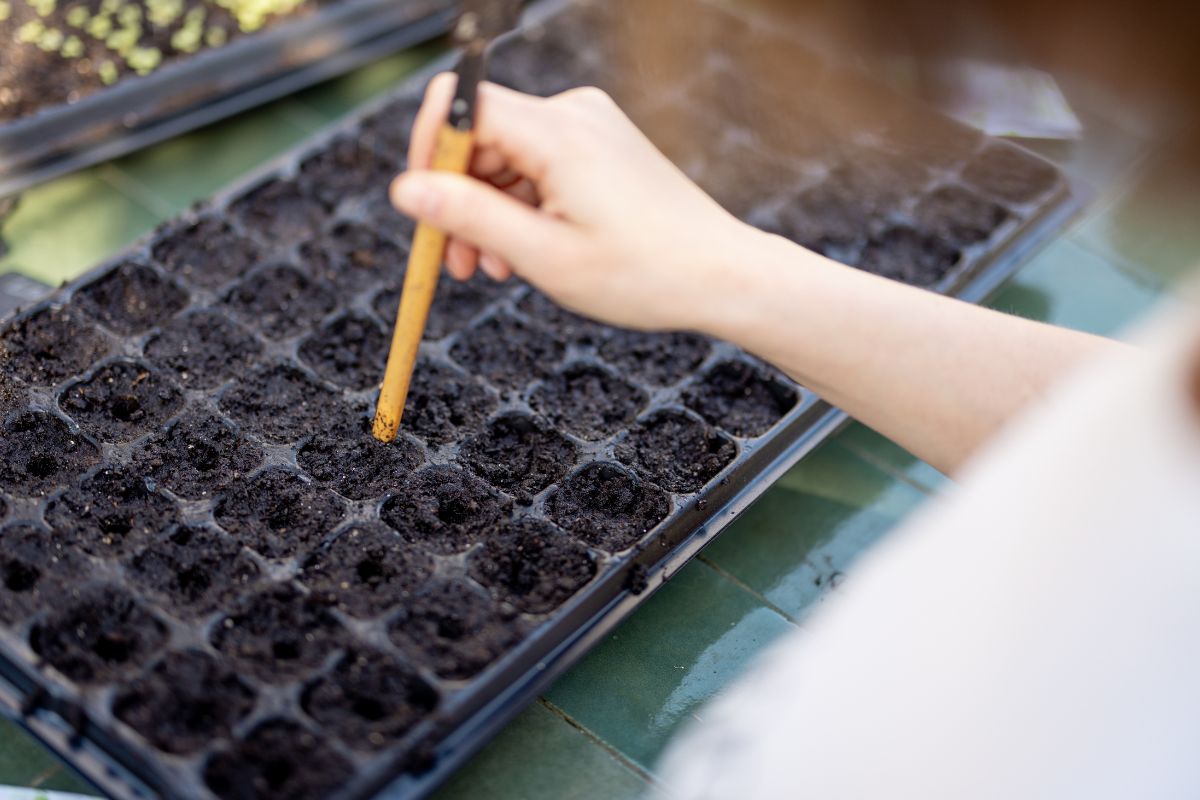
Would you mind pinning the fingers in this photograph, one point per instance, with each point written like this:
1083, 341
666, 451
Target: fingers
461, 258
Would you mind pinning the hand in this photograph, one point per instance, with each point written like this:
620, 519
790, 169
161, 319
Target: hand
568, 194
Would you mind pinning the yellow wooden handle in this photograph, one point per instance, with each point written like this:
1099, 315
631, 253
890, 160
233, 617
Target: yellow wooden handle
453, 154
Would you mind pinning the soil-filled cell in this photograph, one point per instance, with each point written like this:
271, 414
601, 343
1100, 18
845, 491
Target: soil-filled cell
740, 398
909, 255
445, 509
538, 63
34, 568
194, 569
281, 212
278, 759
184, 702
660, 359
590, 402
97, 634
110, 513
369, 699
197, 456
676, 451
519, 454
279, 513
49, 345
39, 453
279, 634
532, 565
607, 506
203, 349
1005, 172
508, 352
121, 401
350, 351
454, 628
345, 167
455, 304
352, 462
388, 129
366, 570
283, 404
207, 253
827, 219
959, 217
445, 404
353, 257
569, 326
131, 299
281, 301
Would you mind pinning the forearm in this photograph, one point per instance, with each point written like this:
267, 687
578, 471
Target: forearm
936, 375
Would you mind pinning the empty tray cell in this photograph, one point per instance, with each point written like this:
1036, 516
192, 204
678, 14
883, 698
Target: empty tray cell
455, 628
202, 349
909, 255
369, 699
350, 351
279, 634
455, 303
740, 398
959, 217
280, 212
279, 513
97, 634
279, 759
532, 565
121, 401
49, 345
352, 257
281, 301
1005, 172
131, 298
660, 359
184, 702
366, 570
344, 167
34, 568
676, 451
507, 351
570, 327
445, 404
607, 506
352, 462
193, 569
110, 513
40, 453
283, 404
445, 509
197, 456
590, 402
206, 253
519, 454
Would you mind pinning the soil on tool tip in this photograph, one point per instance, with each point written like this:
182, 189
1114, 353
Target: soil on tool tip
352, 462
279, 758
283, 404
507, 351
444, 404
207, 253
366, 570
280, 211
353, 257
567, 325
958, 216
350, 351
49, 345
40, 453
34, 567
197, 456
345, 167
278, 513
195, 569
110, 513
588, 401
660, 359
281, 301
532, 565
445, 509
607, 506
740, 398
130, 299
121, 401
519, 454
1004, 172
909, 255
202, 349
676, 451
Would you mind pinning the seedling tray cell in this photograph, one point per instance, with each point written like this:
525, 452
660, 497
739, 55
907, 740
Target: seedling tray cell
217, 583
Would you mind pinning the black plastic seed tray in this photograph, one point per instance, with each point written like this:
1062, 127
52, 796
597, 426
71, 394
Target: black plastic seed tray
196, 90
216, 582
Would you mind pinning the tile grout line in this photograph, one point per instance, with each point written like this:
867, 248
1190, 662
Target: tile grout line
884, 466
137, 191
613, 752
736, 581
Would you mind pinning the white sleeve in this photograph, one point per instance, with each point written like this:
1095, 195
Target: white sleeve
1034, 633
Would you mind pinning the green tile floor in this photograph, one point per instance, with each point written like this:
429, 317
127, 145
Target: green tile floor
597, 732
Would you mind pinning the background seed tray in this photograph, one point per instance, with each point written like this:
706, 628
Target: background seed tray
190, 421
192, 91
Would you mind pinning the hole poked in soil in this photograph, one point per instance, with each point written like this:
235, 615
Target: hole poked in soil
49, 345
194, 568
908, 255
532, 565
184, 702
97, 634
455, 303
568, 325
121, 401
280, 211
353, 257
958, 216
507, 351
607, 506
349, 351
110, 513
366, 570
33, 568
740, 398
369, 699
445, 509
131, 298
279, 634
280, 300
278, 759
197, 456
39, 453
278, 513
660, 359
454, 628
203, 349
444, 403
676, 451
519, 454
283, 404
206, 253
1005, 172
345, 167
352, 462
590, 402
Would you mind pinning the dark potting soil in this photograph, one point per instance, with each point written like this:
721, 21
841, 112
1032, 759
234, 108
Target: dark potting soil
281, 301
455, 303
827, 219
198, 455
279, 513
660, 359
345, 167
445, 509
909, 255
507, 351
352, 462
366, 570
532, 565
49, 345
350, 351
40, 453
132, 298
110, 513
566, 325
202, 349
353, 257
283, 404
958, 216
280, 211
588, 401
195, 569
740, 398
121, 401
279, 758
184, 702
34, 567
1006, 173
207, 253
519, 454
369, 699
445, 404
607, 506
387, 129
676, 451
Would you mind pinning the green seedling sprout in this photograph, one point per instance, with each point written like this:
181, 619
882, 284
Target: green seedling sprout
108, 73
5, 10
44, 8
99, 27
216, 36
144, 60
72, 47
50, 40
31, 31
78, 16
